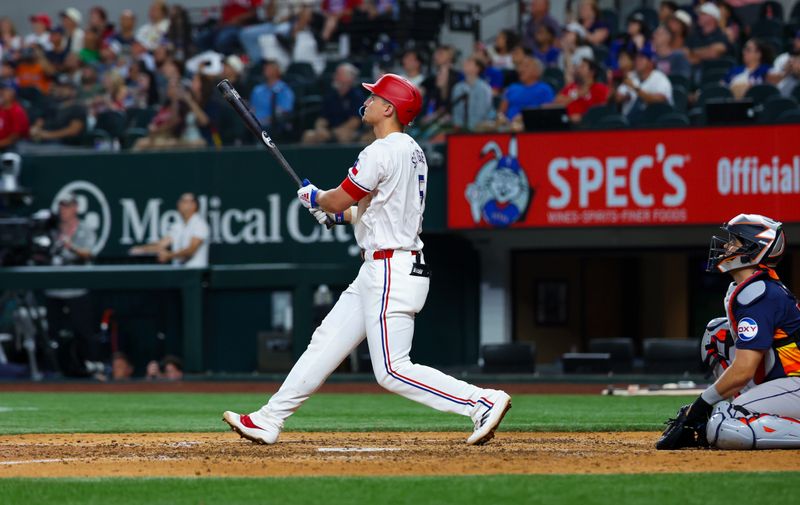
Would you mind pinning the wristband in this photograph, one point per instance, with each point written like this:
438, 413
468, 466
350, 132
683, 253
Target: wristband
338, 218
711, 396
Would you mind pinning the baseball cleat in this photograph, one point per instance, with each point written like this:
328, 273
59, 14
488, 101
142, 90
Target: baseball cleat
266, 432
488, 422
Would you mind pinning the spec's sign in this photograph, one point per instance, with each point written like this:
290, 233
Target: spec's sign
626, 178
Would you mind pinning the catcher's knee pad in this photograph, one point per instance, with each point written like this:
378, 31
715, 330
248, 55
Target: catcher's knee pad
729, 428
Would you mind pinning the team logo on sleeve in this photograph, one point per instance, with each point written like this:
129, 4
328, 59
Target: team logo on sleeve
500, 194
747, 329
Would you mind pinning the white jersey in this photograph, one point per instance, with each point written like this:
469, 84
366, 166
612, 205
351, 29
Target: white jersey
182, 234
388, 181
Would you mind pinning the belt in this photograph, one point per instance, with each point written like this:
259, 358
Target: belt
384, 254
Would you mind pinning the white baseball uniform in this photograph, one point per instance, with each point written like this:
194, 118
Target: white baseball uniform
388, 181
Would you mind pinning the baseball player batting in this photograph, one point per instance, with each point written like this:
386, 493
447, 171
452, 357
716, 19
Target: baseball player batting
753, 352
383, 197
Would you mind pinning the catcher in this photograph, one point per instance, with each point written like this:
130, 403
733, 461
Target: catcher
755, 401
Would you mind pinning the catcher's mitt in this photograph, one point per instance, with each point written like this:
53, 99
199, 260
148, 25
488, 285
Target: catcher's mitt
680, 433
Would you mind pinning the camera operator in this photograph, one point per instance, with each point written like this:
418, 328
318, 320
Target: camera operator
69, 311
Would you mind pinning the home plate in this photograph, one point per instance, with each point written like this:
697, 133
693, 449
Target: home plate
357, 449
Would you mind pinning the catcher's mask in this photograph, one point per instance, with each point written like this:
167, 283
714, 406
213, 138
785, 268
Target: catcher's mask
752, 240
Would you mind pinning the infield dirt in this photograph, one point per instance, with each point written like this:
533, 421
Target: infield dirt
386, 454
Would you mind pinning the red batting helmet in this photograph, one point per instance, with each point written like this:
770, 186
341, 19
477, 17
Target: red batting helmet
401, 93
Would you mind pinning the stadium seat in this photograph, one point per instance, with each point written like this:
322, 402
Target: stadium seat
774, 106
302, 69
673, 119
713, 76
679, 80
760, 93
620, 349
594, 114
653, 112
612, 122
110, 125
555, 77
710, 91
714, 71
680, 98
671, 355
140, 117
789, 116
767, 28
794, 14
601, 56
519, 357
586, 362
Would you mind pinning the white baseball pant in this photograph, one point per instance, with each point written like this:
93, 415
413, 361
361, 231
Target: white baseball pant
381, 304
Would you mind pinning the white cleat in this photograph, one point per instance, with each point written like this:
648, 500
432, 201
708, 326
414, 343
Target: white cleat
265, 432
487, 423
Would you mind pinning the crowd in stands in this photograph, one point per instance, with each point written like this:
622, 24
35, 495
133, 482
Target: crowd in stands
82, 79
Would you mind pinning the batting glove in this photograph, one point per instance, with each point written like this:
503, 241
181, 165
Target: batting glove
320, 215
308, 195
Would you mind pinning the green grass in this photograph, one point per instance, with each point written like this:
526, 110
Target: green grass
648, 489
172, 412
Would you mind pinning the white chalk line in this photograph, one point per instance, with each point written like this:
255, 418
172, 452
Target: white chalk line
32, 461
17, 409
358, 449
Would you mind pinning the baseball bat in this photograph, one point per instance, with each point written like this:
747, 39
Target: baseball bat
252, 123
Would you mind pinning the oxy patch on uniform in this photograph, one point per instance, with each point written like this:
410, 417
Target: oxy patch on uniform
747, 329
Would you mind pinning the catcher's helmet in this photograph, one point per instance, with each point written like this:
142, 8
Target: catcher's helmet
761, 241
401, 93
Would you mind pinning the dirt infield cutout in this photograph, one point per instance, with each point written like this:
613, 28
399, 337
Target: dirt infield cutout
309, 454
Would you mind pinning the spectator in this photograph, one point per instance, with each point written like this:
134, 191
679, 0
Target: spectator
493, 76
273, 101
708, 42
529, 92
625, 65
171, 369
545, 47
126, 33
71, 21
786, 68
597, 31
110, 58
33, 70
121, 368
66, 124
757, 59
91, 47
540, 16
666, 9
730, 23
203, 112
412, 67
668, 60
10, 41
41, 25
13, 118
98, 21
339, 120
224, 37
179, 34
439, 86
187, 241
336, 12
372, 19
679, 25
274, 23
56, 56
142, 83
475, 107
90, 85
151, 34
166, 127
500, 52
634, 38
646, 86
574, 49
232, 69
584, 92
70, 310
